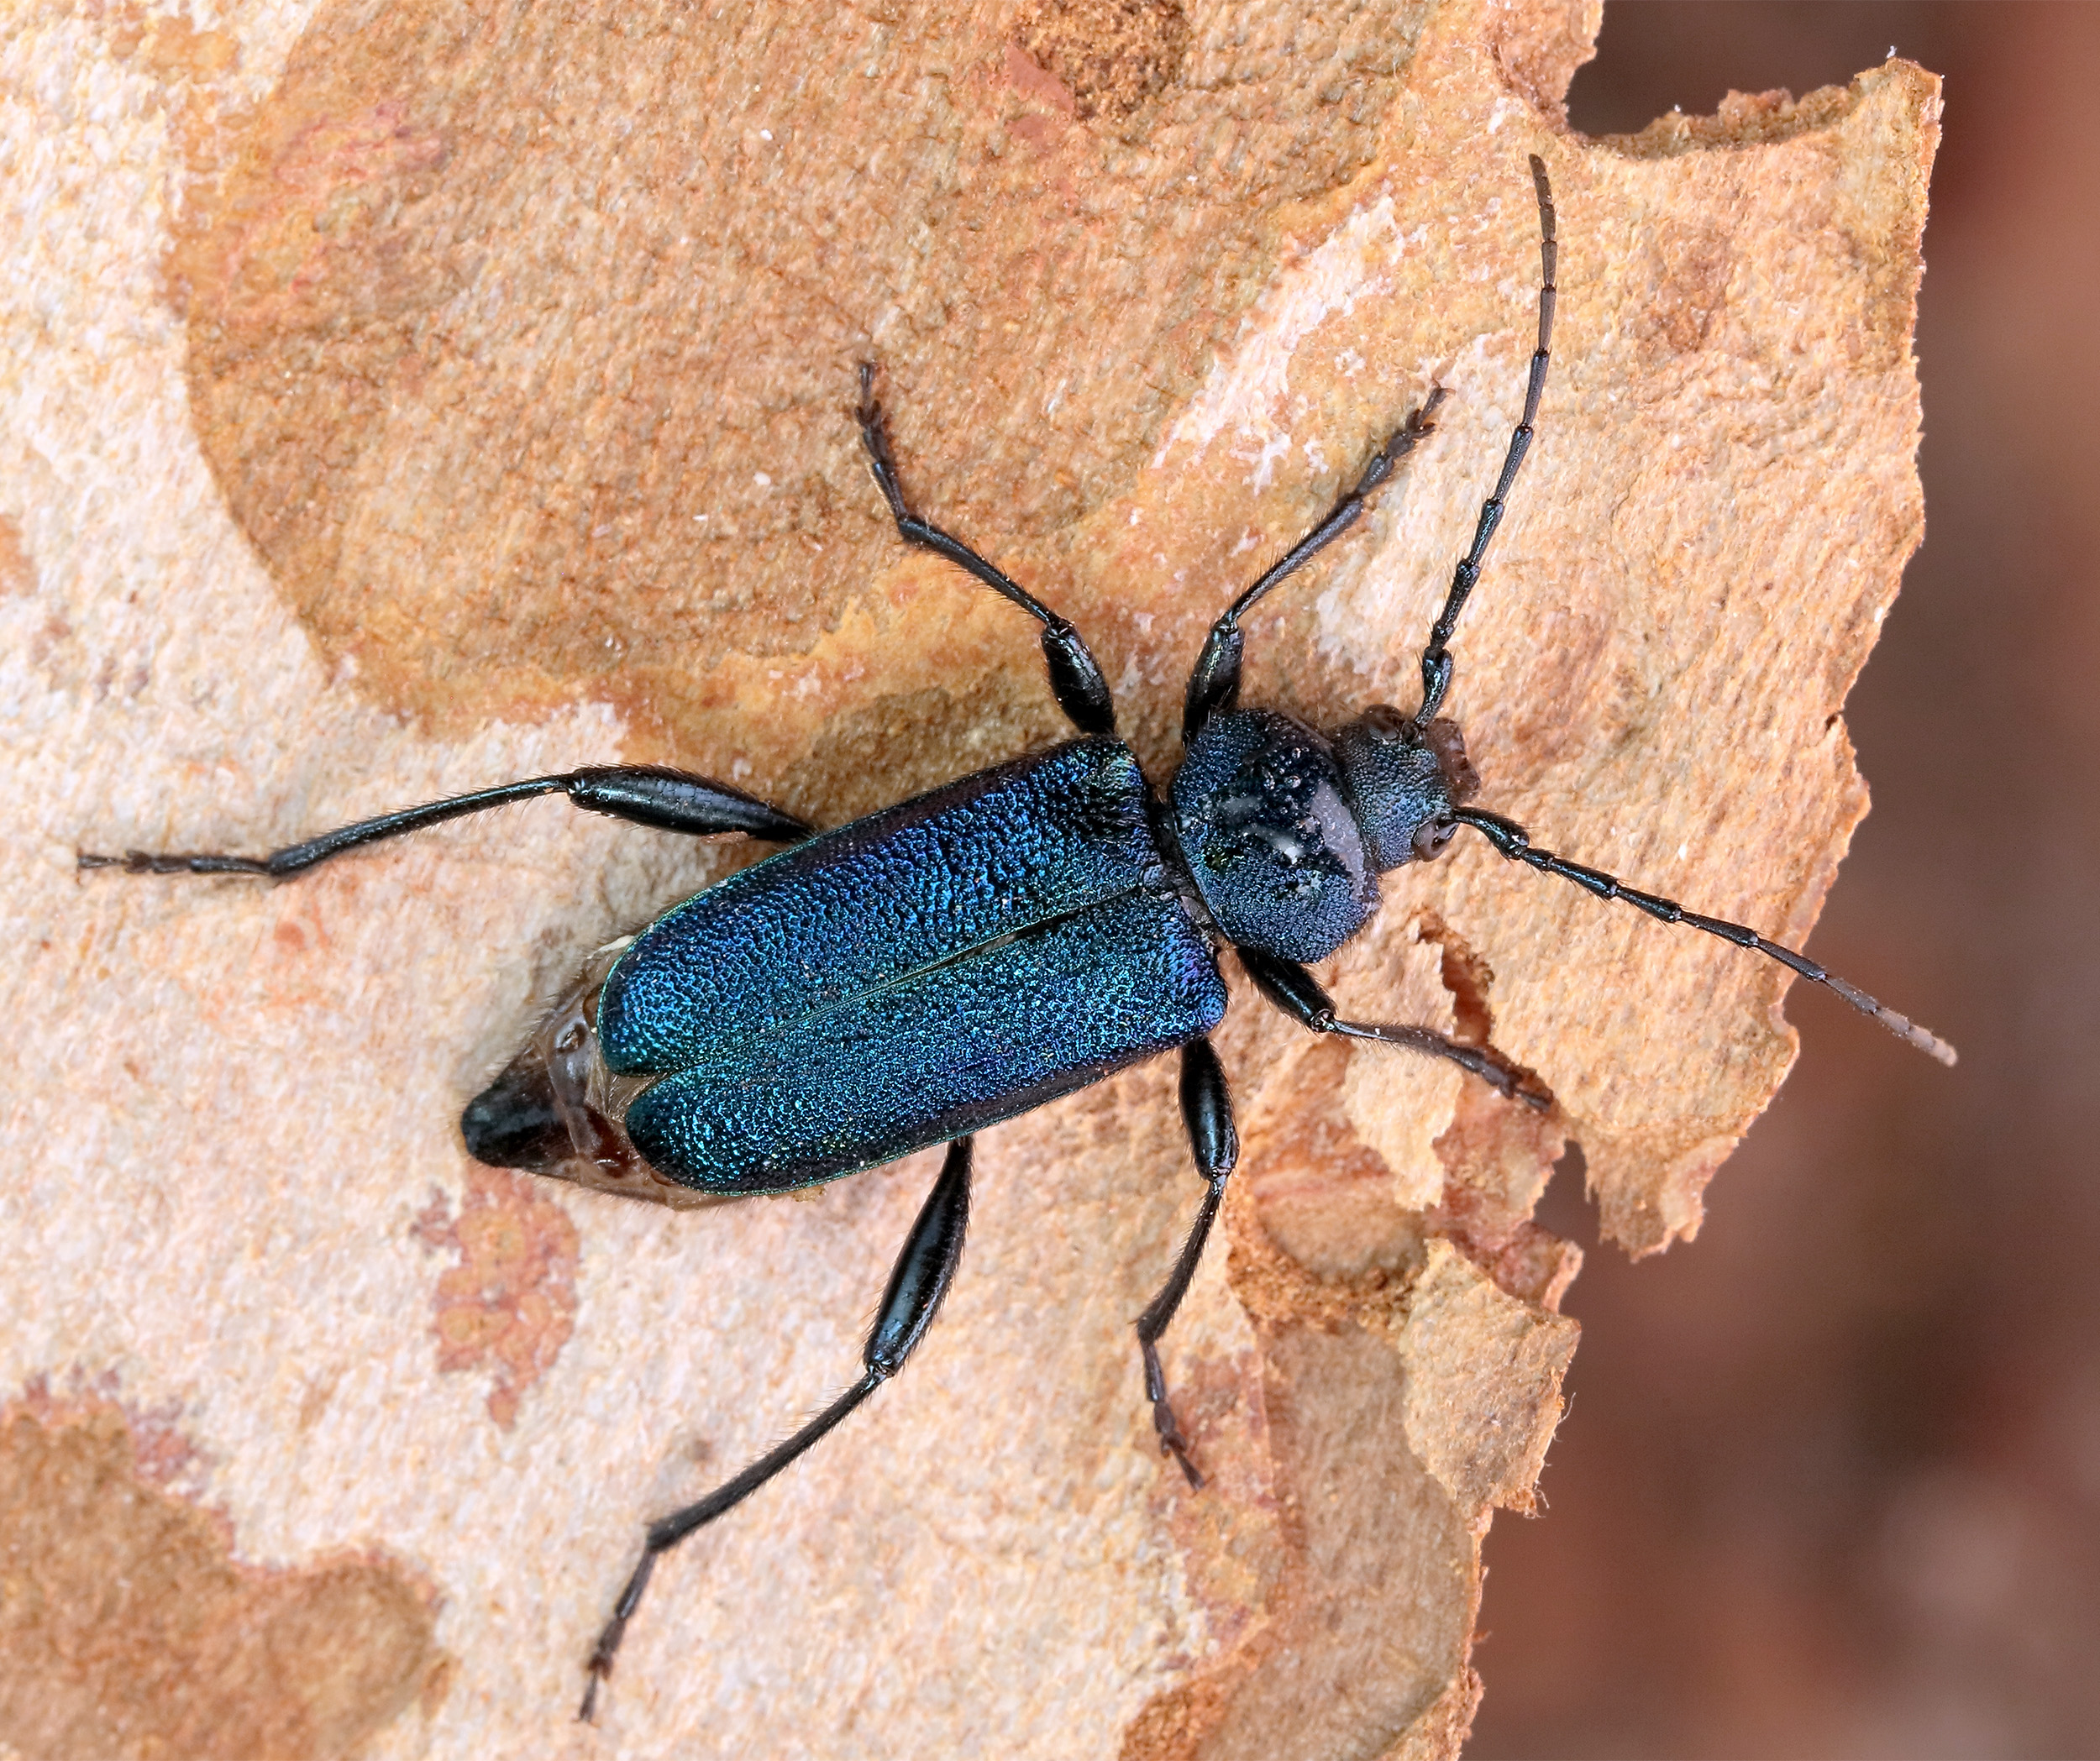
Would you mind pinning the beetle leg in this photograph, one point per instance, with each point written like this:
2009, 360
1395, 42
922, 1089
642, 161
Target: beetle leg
1298, 995
1206, 1110
643, 794
1214, 685
1075, 676
917, 1283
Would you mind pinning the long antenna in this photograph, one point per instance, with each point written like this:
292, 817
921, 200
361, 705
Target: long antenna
1437, 656
1514, 842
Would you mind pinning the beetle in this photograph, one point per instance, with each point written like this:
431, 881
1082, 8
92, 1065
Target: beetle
918, 975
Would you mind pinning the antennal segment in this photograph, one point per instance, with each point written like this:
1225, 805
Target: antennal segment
1436, 656
1514, 842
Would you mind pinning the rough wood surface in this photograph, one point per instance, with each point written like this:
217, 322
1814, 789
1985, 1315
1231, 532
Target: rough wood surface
400, 398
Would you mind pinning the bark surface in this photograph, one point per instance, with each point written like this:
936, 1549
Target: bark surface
399, 399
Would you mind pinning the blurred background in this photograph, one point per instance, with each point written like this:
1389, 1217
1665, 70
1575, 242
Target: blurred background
1829, 1483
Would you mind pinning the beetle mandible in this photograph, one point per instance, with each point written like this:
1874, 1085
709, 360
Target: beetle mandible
941, 966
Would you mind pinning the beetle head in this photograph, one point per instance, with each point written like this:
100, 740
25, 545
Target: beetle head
1404, 781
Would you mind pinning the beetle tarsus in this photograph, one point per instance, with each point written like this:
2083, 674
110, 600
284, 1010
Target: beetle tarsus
143, 862
1533, 1092
1512, 1081
600, 1668
1214, 687
1171, 1439
1294, 990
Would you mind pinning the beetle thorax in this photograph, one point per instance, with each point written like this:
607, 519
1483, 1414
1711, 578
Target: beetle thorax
1285, 831
1263, 815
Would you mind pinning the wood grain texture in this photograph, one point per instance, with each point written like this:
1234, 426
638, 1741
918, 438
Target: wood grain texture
398, 399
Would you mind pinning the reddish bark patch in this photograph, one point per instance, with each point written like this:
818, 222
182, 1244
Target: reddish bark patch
510, 1304
519, 407
18, 574
128, 1629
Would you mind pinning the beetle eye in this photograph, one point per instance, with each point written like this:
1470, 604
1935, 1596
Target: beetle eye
1431, 837
1387, 725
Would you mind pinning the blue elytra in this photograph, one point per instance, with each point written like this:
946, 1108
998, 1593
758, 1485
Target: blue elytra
916, 975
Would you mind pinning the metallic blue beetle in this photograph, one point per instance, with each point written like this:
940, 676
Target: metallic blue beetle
941, 966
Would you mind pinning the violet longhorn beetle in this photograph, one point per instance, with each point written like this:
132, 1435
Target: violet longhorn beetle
939, 967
